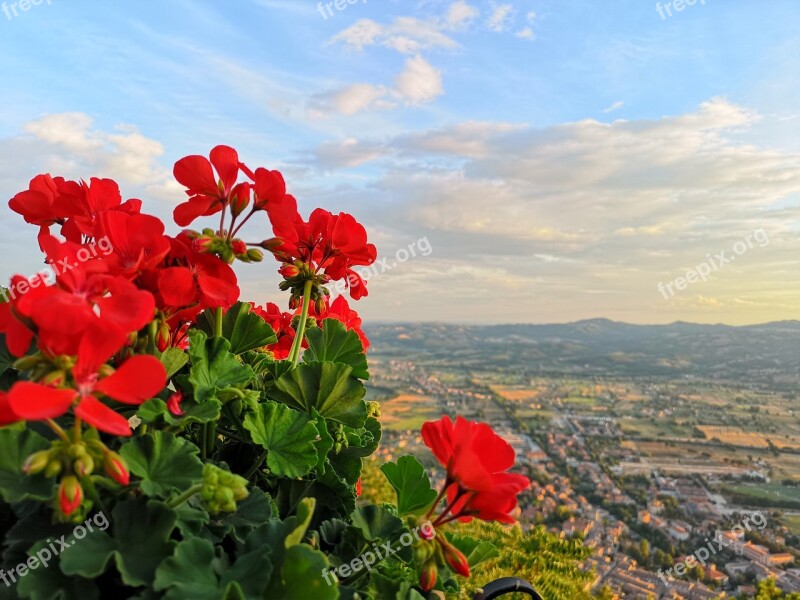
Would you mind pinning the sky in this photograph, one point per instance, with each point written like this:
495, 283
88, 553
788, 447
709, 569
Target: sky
520, 161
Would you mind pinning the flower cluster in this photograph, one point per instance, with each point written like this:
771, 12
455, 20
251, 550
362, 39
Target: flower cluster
161, 396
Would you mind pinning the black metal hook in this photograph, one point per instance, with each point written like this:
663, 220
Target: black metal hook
506, 585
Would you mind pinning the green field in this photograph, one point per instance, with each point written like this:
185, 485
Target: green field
765, 495
793, 523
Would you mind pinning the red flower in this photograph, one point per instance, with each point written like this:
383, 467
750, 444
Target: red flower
207, 195
136, 242
136, 380
269, 187
330, 244
281, 323
174, 404
81, 204
476, 459
359, 489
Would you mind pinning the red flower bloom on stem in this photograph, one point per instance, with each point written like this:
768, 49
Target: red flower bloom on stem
476, 459
136, 380
135, 243
281, 323
207, 194
81, 204
330, 244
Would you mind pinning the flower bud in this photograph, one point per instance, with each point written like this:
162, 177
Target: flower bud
203, 244
36, 462
427, 577
26, 363
70, 494
106, 371
240, 198
54, 468
174, 404
238, 247
271, 244
83, 465
115, 468
455, 558
255, 255
288, 271
163, 337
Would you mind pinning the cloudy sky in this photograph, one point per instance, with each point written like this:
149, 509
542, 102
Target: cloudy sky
559, 159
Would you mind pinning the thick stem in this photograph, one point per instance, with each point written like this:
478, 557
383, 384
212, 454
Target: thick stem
255, 466
195, 489
59, 432
218, 321
442, 492
294, 355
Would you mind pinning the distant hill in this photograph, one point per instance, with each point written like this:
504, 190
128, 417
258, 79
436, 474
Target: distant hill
768, 353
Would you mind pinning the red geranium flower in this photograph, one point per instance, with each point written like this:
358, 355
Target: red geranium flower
136, 242
136, 380
7, 414
281, 323
476, 459
81, 204
207, 194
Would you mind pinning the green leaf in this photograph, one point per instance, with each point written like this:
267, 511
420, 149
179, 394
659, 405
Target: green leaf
411, 484
325, 441
174, 359
377, 523
244, 329
164, 462
214, 367
155, 410
15, 447
301, 576
326, 387
305, 510
52, 584
476, 551
333, 342
140, 541
196, 571
287, 435
250, 513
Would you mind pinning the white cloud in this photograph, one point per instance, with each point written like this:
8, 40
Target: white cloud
349, 152
500, 19
349, 100
526, 33
419, 82
460, 15
616, 106
407, 35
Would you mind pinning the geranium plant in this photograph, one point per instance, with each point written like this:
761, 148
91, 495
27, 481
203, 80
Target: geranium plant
221, 442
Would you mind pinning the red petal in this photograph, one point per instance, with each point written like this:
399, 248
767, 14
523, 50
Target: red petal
226, 162
97, 414
7, 415
195, 173
195, 207
34, 401
177, 287
138, 379
98, 344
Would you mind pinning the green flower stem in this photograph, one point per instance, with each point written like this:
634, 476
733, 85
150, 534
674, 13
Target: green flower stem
195, 489
294, 356
59, 432
255, 466
152, 332
218, 321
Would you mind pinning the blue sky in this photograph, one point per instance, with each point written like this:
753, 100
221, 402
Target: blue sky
562, 158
